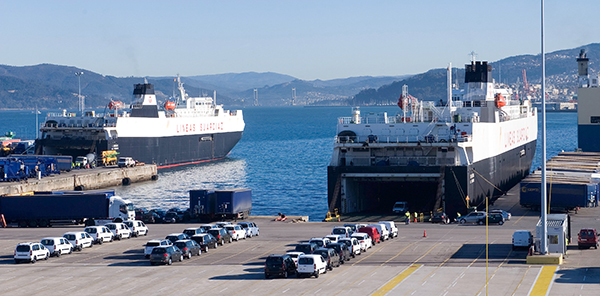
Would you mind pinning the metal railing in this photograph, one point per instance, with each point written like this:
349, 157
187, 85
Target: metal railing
399, 161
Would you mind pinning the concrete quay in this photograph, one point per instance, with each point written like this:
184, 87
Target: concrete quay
451, 260
87, 179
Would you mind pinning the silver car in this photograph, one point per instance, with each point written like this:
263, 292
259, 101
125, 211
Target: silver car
472, 217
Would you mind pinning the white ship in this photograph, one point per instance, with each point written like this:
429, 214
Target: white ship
437, 156
191, 130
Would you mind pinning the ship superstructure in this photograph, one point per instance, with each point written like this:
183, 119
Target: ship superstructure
447, 155
588, 109
189, 130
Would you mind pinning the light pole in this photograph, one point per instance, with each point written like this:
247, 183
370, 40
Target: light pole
81, 103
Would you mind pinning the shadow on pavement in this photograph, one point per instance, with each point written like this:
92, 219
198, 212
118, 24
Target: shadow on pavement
583, 275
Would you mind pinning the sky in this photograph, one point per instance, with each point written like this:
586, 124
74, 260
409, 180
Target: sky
305, 39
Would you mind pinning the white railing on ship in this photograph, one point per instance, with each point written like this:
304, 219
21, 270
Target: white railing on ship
398, 161
405, 139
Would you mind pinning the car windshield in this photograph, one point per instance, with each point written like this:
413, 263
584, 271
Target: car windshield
152, 244
318, 242
339, 231
305, 260
90, 230
588, 233
274, 260
47, 242
323, 253
303, 248
159, 250
111, 226
22, 248
180, 244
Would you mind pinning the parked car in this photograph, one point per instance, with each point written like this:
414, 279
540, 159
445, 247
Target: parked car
294, 256
343, 250
250, 228
193, 231
79, 239
504, 213
30, 252
522, 238
472, 217
391, 227
331, 257
188, 248
309, 265
322, 242
400, 207
172, 217
333, 237
492, 218
342, 231
383, 231
222, 224
165, 255
372, 232
207, 227
137, 227
206, 241
100, 234
306, 248
353, 245
119, 230
57, 245
364, 239
280, 265
587, 238
353, 227
440, 218
125, 162
150, 245
173, 237
236, 232
221, 235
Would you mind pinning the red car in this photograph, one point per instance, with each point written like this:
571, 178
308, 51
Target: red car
372, 232
587, 238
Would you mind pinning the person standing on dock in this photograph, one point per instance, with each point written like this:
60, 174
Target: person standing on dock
407, 214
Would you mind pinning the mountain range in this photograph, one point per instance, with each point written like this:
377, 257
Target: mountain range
56, 86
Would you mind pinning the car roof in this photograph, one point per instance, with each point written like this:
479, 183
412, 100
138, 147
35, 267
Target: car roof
184, 240
158, 240
53, 237
200, 234
27, 243
74, 232
294, 253
175, 234
310, 255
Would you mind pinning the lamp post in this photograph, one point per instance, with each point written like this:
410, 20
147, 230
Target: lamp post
81, 103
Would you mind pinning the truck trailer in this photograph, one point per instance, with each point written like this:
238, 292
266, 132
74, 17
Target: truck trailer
42, 209
210, 204
563, 194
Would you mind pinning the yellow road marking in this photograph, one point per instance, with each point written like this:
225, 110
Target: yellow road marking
521, 217
397, 280
543, 281
521, 281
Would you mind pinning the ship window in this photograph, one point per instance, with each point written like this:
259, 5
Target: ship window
595, 119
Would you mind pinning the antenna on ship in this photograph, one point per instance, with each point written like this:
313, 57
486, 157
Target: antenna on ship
473, 55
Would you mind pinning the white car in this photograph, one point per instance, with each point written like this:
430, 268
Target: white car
309, 265
222, 224
333, 237
100, 234
391, 227
364, 240
250, 228
137, 227
207, 227
150, 245
342, 231
294, 256
236, 232
119, 230
57, 245
385, 234
353, 245
322, 242
125, 162
79, 239
30, 252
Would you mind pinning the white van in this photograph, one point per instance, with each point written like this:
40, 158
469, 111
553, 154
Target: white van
382, 228
392, 227
309, 265
522, 239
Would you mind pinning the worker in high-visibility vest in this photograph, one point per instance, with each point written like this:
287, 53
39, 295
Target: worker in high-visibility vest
407, 214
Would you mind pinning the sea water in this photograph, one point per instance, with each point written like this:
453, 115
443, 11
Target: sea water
282, 156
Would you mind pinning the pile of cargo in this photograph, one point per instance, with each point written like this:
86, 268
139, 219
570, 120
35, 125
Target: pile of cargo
572, 182
22, 167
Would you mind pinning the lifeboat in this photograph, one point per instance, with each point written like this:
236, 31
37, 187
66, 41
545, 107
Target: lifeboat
499, 100
113, 105
169, 105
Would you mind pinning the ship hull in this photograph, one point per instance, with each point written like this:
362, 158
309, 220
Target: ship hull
428, 188
163, 151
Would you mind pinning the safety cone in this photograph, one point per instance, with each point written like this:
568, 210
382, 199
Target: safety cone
424, 233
